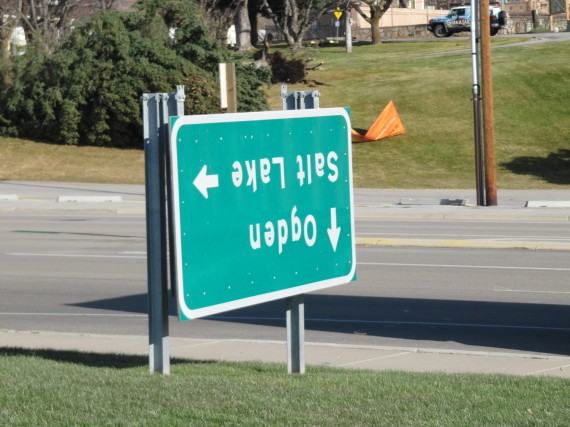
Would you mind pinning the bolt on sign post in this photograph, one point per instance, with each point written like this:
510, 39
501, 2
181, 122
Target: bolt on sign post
263, 207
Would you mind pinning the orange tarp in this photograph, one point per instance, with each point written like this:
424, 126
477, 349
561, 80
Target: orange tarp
387, 124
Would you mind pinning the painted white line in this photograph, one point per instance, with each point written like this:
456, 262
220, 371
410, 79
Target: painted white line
74, 314
486, 267
396, 322
525, 291
74, 255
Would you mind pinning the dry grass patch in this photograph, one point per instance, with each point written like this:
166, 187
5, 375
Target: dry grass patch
23, 160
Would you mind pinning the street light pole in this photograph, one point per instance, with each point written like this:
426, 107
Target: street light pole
488, 112
479, 173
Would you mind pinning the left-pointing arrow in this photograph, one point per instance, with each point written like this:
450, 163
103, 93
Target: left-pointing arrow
204, 181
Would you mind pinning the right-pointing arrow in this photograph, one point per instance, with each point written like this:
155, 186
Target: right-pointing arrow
204, 181
334, 231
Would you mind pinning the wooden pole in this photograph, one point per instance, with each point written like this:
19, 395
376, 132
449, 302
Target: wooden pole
228, 90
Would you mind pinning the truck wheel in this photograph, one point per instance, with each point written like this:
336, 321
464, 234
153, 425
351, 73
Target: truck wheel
494, 31
503, 18
439, 31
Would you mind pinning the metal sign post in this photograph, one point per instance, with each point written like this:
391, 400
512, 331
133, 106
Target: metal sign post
297, 100
337, 15
296, 334
156, 110
487, 106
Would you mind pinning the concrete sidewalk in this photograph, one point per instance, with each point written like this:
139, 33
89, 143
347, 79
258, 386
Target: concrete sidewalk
551, 205
333, 355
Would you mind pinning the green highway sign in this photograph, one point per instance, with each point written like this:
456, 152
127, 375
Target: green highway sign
263, 207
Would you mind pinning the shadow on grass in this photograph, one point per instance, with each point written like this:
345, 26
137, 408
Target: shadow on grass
554, 168
93, 360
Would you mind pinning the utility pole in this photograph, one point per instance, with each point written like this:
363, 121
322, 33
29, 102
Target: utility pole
488, 113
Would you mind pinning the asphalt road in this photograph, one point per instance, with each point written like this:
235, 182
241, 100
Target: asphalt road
82, 272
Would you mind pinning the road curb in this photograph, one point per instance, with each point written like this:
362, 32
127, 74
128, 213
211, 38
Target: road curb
70, 207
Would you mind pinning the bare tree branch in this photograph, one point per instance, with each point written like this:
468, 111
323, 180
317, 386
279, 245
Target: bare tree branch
220, 16
294, 18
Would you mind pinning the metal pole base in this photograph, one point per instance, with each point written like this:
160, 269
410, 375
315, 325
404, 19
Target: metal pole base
296, 334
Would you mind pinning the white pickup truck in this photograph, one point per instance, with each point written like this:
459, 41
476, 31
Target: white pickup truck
459, 19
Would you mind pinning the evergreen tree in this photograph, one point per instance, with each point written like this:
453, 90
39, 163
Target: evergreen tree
88, 91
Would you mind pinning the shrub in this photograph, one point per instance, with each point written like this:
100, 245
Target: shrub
88, 91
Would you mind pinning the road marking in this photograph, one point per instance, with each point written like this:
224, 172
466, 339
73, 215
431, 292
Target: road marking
73, 314
487, 267
528, 291
74, 255
338, 321
396, 322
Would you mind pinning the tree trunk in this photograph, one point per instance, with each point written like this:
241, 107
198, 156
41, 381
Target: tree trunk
375, 28
377, 9
297, 46
294, 40
243, 27
5, 35
253, 24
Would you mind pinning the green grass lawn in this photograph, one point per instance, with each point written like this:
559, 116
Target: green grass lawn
81, 389
23, 160
430, 85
